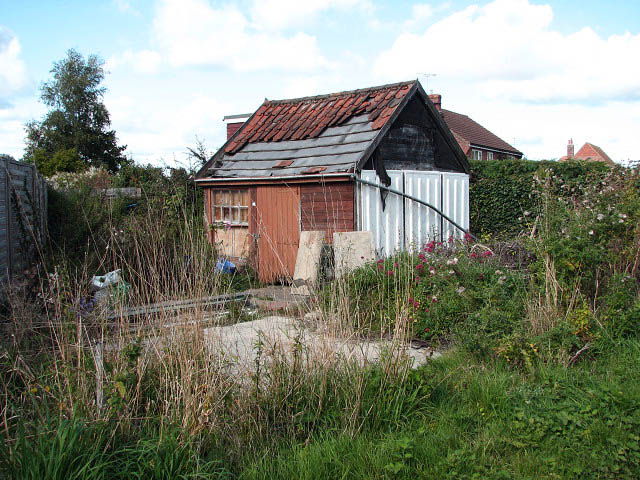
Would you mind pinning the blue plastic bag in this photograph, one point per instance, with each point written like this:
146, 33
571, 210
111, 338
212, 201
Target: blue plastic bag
225, 266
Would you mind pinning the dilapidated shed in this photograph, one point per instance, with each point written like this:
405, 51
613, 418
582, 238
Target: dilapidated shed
299, 165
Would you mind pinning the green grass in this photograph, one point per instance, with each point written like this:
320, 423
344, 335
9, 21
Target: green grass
490, 421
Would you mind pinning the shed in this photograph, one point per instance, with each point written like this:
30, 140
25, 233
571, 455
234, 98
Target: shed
299, 164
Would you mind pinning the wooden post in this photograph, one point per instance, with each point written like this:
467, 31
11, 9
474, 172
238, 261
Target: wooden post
99, 361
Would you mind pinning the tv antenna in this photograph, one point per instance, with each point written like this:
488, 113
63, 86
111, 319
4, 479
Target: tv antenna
426, 79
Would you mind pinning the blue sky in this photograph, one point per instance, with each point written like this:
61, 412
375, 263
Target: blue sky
535, 73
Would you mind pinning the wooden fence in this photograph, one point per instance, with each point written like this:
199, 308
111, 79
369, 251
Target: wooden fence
23, 217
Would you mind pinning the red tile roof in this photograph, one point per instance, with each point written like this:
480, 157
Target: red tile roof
589, 151
474, 133
308, 117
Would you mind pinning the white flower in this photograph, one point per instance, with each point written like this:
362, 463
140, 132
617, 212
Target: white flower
452, 261
590, 232
460, 289
600, 217
502, 279
527, 213
499, 272
452, 272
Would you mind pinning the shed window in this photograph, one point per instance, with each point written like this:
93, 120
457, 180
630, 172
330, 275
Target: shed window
231, 206
477, 154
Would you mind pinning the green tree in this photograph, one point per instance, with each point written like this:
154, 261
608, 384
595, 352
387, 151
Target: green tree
77, 120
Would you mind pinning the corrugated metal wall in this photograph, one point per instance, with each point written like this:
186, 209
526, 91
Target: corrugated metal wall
23, 216
405, 224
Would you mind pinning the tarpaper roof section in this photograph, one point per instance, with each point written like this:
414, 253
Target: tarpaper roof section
474, 133
303, 135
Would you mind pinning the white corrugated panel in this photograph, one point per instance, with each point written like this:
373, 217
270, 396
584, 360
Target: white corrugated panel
406, 224
455, 203
422, 223
387, 224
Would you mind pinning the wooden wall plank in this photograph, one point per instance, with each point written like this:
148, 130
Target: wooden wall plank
328, 207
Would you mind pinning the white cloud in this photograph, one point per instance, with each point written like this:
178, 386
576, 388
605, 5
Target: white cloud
13, 73
420, 14
192, 32
508, 45
280, 14
156, 131
143, 61
506, 67
125, 6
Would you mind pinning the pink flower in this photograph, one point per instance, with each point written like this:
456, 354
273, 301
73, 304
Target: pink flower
419, 266
450, 239
395, 264
488, 253
434, 299
432, 270
380, 261
421, 256
389, 273
380, 267
426, 310
468, 238
473, 255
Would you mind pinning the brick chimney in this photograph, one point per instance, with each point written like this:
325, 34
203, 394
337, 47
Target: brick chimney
234, 122
570, 151
436, 100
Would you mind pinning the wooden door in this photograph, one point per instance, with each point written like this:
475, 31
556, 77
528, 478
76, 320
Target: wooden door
278, 225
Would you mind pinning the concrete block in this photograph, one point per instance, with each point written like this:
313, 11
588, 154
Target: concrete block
352, 250
305, 277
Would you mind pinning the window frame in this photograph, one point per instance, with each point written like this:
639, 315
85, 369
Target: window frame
489, 155
226, 210
475, 152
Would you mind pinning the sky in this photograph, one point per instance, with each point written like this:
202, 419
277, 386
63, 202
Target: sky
535, 73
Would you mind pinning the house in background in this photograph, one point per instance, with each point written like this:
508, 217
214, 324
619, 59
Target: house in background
589, 153
298, 164
476, 142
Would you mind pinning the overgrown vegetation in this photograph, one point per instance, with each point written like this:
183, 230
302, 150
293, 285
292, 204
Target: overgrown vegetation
539, 377
503, 193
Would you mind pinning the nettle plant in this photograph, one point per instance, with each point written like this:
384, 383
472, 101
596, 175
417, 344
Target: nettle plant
447, 291
593, 240
462, 290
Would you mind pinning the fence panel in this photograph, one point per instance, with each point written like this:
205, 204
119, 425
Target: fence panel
23, 216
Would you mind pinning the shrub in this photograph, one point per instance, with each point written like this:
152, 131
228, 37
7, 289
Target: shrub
503, 195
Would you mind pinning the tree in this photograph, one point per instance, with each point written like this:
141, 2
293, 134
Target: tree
77, 120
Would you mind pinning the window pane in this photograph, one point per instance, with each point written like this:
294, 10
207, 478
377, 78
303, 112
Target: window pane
218, 213
226, 214
224, 198
244, 198
244, 215
235, 197
236, 215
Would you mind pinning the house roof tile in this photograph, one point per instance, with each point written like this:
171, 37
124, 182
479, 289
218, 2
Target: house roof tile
308, 117
474, 133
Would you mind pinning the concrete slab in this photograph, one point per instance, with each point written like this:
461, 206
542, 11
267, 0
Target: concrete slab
352, 250
243, 342
305, 277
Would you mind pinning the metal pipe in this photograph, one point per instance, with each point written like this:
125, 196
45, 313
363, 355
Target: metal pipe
417, 200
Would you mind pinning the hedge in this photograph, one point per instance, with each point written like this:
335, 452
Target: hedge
503, 195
